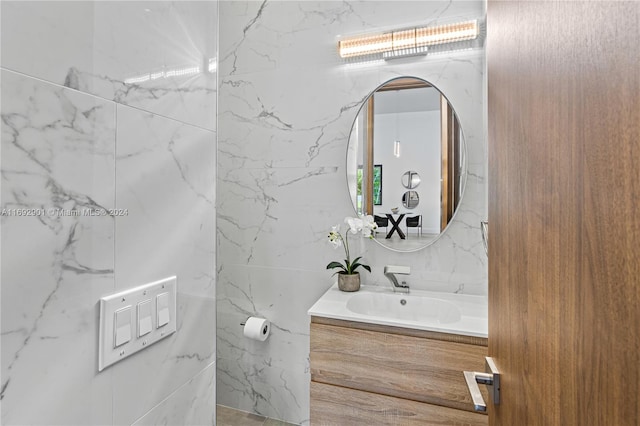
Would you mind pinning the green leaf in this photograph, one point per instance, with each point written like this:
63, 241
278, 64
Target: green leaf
354, 266
333, 265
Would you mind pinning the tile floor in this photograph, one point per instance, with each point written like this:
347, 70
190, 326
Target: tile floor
230, 417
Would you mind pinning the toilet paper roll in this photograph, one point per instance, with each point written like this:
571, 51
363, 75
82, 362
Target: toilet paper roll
257, 328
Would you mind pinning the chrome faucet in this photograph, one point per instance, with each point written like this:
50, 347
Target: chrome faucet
390, 272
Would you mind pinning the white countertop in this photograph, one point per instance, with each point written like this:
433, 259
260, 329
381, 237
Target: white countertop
473, 319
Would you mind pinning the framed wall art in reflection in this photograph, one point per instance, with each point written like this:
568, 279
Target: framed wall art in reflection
377, 186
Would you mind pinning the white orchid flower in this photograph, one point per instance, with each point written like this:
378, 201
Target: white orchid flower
335, 239
368, 225
355, 224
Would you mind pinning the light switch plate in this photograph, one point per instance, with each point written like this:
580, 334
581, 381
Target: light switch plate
107, 352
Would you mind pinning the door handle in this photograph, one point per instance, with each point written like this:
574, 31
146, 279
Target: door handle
491, 379
484, 230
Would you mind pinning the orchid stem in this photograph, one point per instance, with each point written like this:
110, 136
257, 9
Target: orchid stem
346, 251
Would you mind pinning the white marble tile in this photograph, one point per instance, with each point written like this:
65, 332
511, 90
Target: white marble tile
280, 217
155, 55
267, 293
57, 155
165, 181
143, 380
288, 100
44, 39
193, 404
264, 36
269, 378
281, 119
273, 392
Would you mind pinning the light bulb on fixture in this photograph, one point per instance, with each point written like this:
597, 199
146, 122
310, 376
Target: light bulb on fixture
396, 149
410, 41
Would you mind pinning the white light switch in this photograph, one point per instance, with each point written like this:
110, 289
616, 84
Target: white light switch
135, 318
122, 326
144, 318
162, 306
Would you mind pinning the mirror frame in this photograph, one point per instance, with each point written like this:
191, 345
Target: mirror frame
464, 168
410, 174
406, 199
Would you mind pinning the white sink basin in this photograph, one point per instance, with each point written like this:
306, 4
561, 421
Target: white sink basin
421, 310
404, 307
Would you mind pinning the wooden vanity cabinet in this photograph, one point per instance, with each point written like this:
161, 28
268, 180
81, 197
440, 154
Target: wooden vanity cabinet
366, 374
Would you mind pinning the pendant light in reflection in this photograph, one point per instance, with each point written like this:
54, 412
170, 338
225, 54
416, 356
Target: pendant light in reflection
396, 142
396, 148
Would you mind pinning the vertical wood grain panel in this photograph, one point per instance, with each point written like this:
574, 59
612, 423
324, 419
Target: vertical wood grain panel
446, 184
368, 167
564, 192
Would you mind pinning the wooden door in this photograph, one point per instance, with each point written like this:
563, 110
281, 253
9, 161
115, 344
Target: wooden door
564, 211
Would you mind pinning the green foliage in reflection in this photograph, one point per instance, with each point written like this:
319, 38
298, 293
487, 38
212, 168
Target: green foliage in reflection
377, 184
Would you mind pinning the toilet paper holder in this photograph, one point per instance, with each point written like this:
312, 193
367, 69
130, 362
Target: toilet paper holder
256, 328
243, 323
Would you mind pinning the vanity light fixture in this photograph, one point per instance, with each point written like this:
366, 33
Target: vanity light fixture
408, 41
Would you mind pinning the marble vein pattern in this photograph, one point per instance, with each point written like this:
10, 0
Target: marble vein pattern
158, 56
268, 208
287, 104
57, 158
166, 183
192, 404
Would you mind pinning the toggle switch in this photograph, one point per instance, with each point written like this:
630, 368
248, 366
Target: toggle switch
144, 318
162, 307
122, 326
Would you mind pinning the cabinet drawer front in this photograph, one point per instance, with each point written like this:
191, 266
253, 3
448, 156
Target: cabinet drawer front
407, 367
338, 406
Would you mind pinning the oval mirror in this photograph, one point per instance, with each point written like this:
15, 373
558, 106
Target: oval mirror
410, 199
408, 129
410, 179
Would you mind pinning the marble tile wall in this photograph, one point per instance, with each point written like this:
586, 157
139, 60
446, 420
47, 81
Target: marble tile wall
106, 105
286, 106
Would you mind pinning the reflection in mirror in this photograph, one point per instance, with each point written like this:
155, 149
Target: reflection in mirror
410, 199
408, 126
410, 179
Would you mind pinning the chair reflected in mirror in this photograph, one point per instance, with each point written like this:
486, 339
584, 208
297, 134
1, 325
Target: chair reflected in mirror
414, 222
381, 222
